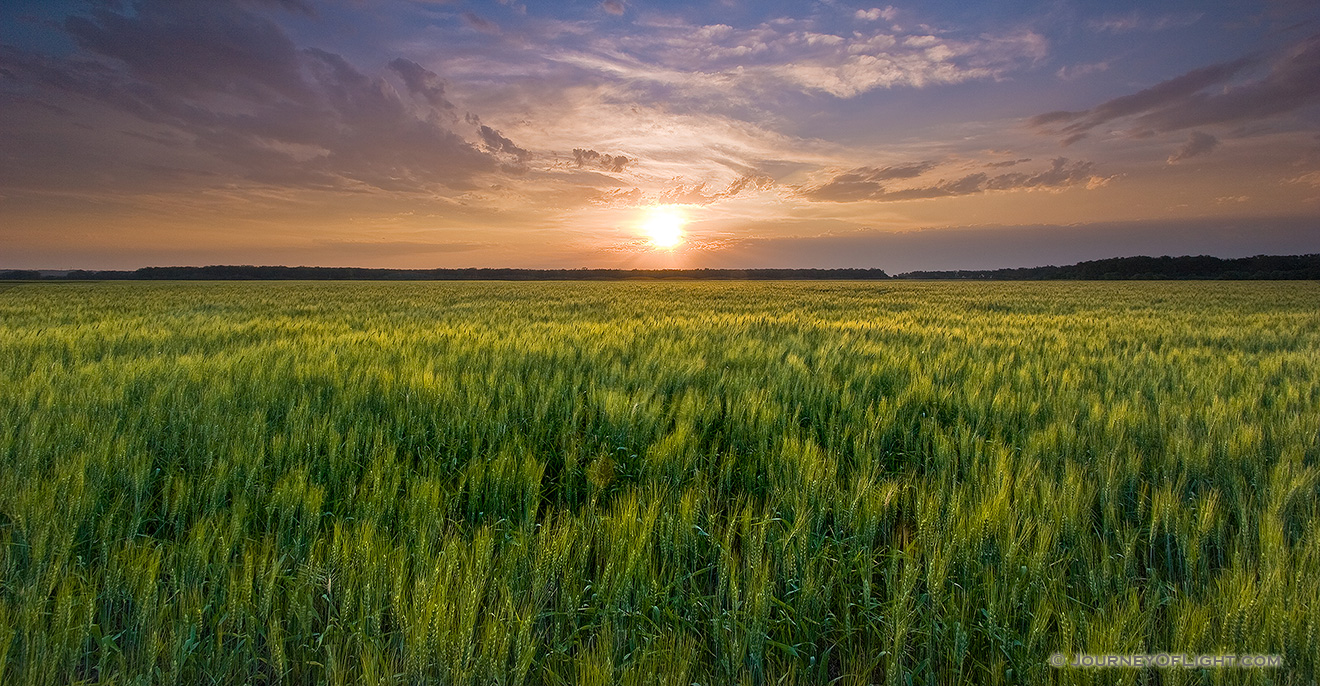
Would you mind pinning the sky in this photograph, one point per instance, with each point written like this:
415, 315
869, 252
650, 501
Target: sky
634, 134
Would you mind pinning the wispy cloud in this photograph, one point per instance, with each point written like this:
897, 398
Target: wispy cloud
1077, 71
1139, 21
701, 193
796, 53
480, 23
1204, 97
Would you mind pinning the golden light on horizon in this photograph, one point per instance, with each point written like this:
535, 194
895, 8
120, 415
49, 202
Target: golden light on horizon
663, 226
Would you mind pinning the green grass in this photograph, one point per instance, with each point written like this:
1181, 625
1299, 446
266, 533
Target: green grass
712, 483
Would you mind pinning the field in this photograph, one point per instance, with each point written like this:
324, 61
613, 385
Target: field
677, 483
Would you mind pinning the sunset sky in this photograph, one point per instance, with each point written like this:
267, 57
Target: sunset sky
624, 133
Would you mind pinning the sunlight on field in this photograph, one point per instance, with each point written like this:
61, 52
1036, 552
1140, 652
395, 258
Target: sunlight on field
472, 483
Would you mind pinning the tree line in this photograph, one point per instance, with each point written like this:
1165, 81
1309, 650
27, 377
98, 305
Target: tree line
1166, 267
1178, 268
272, 273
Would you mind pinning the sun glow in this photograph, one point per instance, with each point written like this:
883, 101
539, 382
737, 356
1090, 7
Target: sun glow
663, 226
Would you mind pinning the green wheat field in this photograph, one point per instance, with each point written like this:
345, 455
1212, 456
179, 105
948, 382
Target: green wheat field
648, 482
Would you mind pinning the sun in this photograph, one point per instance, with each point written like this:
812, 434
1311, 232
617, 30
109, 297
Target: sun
663, 225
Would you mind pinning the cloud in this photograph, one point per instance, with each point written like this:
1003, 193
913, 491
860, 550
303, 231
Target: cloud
190, 48
613, 163
790, 52
231, 83
699, 194
1061, 174
666, 144
1198, 143
620, 197
870, 184
495, 142
1164, 94
1291, 82
1077, 71
750, 182
864, 183
1137, 21
614, 7
1007, 163
854, 66
421, 82
876, 14
698, 102
480, 23
685, 194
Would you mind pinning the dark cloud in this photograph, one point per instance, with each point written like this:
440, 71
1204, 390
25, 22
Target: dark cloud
1198, 143
1161, 95
1187, 101
190, 48
1292, 82
591, 158
234, 85
866, 183
421, 82
495, 142
480, 23
1007, 163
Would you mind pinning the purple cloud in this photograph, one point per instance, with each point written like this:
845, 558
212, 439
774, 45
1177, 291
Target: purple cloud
422, 82
868, 183
233, 84
1198, 143
1187, 101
